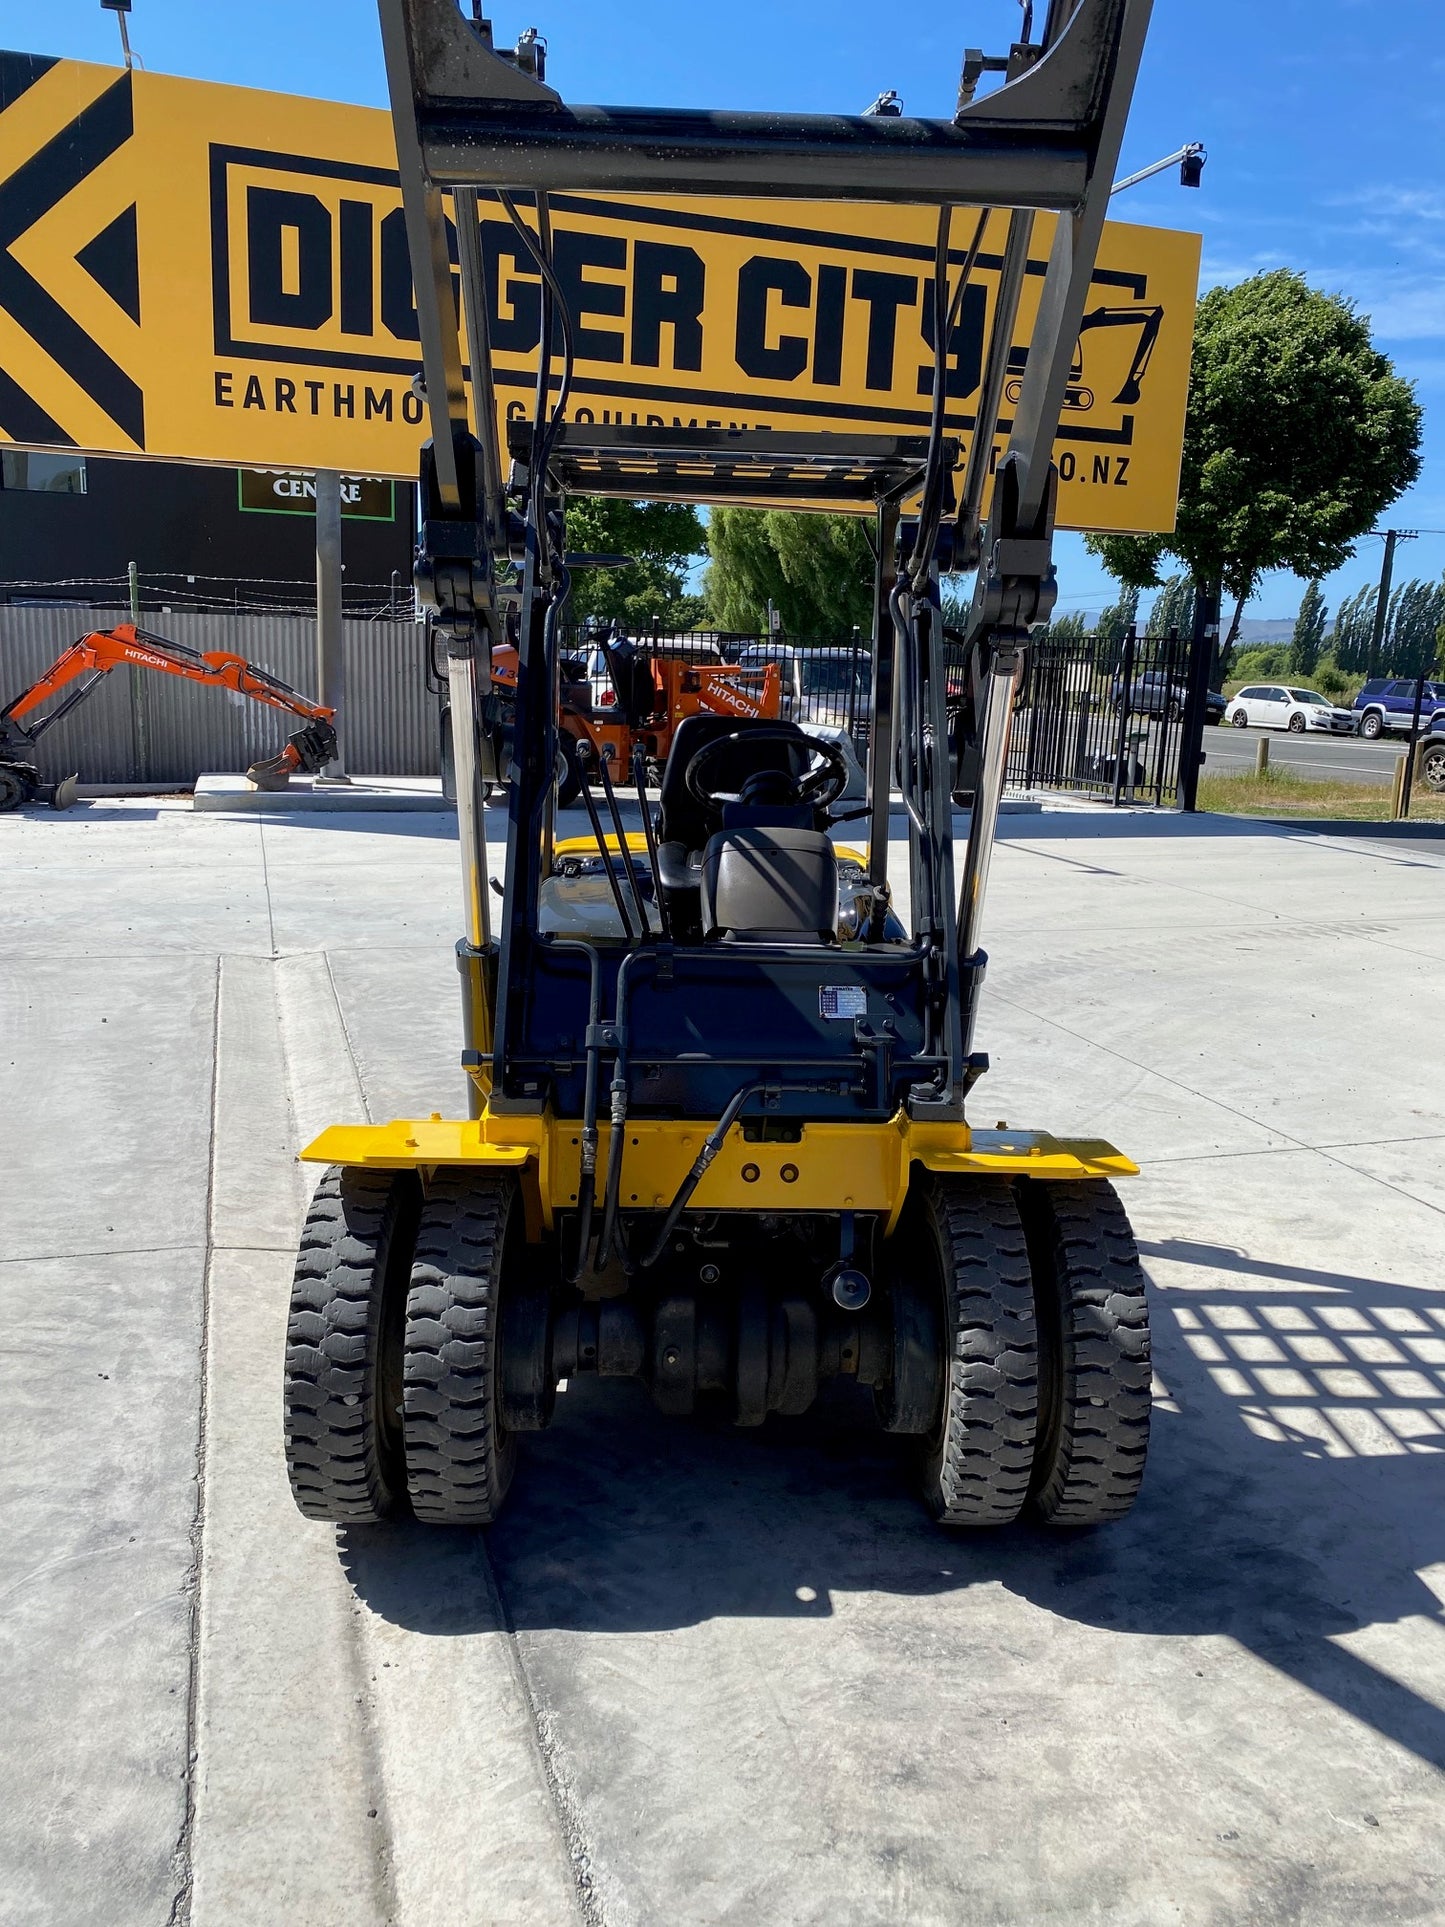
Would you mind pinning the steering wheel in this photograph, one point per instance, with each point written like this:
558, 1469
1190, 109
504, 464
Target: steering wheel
821, 786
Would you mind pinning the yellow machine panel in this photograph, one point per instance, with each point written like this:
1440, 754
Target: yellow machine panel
215, 274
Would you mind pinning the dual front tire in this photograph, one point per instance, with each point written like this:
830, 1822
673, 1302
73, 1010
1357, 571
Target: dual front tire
1021, 1350
392, 1392
1043, 1327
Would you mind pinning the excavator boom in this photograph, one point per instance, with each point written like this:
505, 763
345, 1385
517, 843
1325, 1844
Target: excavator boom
75, 673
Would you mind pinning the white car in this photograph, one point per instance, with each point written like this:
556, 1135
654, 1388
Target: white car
1270, 706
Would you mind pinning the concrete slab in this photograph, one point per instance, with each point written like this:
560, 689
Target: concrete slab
700, 1675
98, 1435
362, 795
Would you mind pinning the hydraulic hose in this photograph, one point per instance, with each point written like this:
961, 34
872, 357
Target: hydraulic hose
711, 1145
587, 1177
618, 1117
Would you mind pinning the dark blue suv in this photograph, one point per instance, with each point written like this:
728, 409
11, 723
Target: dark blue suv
1390, 705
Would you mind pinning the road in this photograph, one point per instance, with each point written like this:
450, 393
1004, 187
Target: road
697, 1675
1321, 758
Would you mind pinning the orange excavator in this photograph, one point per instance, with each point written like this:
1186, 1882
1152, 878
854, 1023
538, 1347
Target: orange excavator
651, 692
89, 660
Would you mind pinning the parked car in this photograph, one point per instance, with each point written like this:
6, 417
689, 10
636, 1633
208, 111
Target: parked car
1271, 706
831, 686
1151, 693
1156, 695
1432, 755
1384, 704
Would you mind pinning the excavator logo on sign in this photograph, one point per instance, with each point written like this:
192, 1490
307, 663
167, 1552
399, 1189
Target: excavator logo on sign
262, 241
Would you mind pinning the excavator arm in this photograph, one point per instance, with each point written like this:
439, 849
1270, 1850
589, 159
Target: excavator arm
73, 675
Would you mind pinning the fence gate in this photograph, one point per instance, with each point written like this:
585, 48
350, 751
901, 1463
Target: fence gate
1103, 719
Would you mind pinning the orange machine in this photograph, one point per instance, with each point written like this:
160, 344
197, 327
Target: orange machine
662, 690
86, 662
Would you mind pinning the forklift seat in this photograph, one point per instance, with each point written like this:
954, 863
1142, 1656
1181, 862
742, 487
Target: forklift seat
684, 825
770, 886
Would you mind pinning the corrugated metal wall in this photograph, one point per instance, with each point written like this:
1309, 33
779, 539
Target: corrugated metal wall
390, 726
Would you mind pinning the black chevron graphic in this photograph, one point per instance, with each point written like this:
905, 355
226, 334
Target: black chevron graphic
35, 187
112, 260
20, 71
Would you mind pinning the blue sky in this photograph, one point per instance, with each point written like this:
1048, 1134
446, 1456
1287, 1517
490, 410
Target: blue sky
1324, 120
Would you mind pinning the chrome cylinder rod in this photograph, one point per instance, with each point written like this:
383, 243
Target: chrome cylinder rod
471, 836
999, 689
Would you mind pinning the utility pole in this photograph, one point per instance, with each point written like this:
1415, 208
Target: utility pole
330, 671
139, 732
1382, 601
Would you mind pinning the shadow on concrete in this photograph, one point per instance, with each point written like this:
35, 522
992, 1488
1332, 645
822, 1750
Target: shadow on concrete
1293, 1492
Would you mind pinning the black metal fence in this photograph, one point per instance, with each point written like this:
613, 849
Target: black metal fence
1103, 719
1096, 718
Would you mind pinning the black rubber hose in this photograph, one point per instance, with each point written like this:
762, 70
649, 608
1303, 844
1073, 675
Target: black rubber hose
587, 1177
711, 1145
623, 853
618, 1091
649, 830
614, 881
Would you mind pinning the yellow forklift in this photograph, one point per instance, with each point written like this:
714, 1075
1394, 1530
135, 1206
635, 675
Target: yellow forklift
716, 1137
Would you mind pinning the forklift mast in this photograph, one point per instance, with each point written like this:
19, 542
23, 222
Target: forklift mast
472, 118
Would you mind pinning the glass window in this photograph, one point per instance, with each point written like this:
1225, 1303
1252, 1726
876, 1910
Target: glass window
832, 676
1249, 696
42, 474
1309, 696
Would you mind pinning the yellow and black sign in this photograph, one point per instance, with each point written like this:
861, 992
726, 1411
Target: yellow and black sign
213, 274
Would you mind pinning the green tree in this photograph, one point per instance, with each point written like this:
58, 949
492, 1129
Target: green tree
1063, 629
1417, 610
1354, 624
660, 537
816, 570
1299, 432
1173, 608
1116, 621
1309, 632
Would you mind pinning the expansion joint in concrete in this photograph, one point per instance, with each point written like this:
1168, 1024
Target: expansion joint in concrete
181, 1858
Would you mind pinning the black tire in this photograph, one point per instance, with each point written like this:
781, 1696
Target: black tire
343, 1381
14, 789
978, 1461
1432, 767
1372, 725
459, 1457
571, 778
1296, 725
1239, 719
1094, 1362
1176, 709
